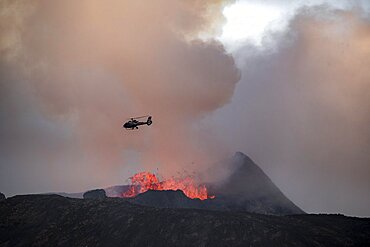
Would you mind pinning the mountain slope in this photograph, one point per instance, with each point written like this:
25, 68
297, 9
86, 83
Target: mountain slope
249, 188
51, 220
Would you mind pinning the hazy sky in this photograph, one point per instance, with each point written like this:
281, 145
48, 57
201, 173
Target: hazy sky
287, 84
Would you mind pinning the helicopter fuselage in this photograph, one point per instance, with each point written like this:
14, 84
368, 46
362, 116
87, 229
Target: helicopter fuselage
133, 123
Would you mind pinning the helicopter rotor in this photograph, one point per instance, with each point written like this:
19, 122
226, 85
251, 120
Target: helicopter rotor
132, 118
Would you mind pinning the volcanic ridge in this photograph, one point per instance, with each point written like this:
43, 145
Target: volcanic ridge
53, 220
248, 209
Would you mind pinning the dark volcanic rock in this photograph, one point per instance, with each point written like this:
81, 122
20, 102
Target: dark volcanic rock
2, 196
51, 220
95, 194
250, 189
167, 199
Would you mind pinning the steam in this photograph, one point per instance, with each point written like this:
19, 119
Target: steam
72, 72
302, 108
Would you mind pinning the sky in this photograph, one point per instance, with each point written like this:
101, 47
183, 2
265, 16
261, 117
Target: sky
286, 83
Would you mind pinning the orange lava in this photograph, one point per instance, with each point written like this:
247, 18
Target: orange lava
144, 181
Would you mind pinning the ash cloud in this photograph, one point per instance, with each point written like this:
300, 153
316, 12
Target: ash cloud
71, 72
302, 108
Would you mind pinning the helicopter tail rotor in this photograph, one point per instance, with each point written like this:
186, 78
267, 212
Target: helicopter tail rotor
149, 121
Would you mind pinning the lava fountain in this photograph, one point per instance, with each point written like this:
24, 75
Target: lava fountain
144, 181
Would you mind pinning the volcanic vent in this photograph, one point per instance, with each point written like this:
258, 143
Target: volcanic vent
144, 181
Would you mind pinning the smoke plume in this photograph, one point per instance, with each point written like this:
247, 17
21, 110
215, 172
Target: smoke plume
302, 108
73, 71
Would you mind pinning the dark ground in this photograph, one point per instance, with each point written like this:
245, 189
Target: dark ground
51, 220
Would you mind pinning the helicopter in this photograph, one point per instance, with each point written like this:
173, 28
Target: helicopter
133, 123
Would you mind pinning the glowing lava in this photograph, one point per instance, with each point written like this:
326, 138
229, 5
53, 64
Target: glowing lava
145, 181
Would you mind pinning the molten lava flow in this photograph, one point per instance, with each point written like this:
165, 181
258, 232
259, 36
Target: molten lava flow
145, 181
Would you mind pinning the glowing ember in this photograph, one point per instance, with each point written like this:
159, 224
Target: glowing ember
145, 181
